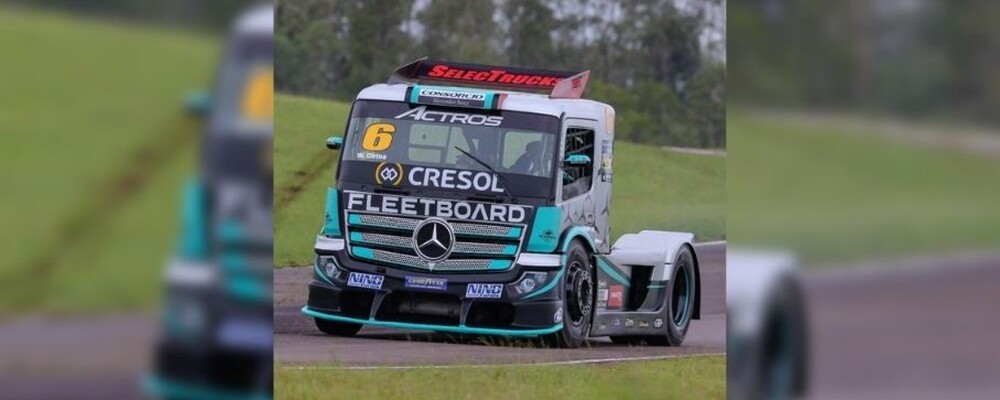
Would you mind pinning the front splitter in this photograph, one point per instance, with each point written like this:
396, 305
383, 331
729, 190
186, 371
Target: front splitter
439, 328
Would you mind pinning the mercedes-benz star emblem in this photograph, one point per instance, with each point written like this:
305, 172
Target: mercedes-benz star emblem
433, 239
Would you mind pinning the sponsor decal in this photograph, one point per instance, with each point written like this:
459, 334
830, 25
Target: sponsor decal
364, 155
609, 120
557, 317
367, 281
484, 290
426, 282
629, 322
617, 322
658, 322
605, 170
448, 117
433, 239
454, 179
494, 75
602, 296
388, 173
616, 296
446, 209
548, 235
378, 136
644, 324
451, 97
602, 326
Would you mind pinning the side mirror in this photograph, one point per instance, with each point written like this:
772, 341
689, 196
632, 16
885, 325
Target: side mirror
577, 160
198, 103
334, 142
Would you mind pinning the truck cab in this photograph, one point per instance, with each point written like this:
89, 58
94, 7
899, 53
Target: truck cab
217, 304
467, 203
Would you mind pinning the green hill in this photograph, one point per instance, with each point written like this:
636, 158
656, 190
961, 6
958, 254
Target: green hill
95, 146
836, 192
654, 189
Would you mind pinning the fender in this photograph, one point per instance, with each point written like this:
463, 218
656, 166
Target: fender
657, 249
751, 276
574, 232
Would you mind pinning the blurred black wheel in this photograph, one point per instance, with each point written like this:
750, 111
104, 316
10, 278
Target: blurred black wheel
337, 328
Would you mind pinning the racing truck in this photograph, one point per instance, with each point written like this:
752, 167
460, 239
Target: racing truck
216, 335
475, 199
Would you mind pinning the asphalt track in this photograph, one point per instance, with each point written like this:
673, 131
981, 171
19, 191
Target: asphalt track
906, 329
920, 328
298, 342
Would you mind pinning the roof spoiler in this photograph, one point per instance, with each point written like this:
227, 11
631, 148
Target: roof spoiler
558, 84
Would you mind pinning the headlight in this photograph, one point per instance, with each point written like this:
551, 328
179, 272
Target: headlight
530, 281
329, 265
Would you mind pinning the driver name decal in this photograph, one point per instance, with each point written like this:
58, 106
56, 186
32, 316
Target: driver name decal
421, 207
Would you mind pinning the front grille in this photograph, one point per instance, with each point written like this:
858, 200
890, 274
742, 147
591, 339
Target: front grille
388, 240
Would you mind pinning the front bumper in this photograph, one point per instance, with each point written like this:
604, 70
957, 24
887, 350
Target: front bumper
445, 308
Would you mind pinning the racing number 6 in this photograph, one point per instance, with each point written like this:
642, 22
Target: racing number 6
378, 136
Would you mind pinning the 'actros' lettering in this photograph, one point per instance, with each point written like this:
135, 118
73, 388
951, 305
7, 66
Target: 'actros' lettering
421, 114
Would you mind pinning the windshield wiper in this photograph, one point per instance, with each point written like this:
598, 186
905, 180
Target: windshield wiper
503, 179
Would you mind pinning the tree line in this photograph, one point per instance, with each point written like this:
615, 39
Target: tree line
925, 59
660, 63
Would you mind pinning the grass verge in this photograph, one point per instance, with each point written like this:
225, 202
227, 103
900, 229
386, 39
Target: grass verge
97, 146
682, 378
841, 193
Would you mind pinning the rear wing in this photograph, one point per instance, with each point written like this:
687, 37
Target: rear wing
558, 84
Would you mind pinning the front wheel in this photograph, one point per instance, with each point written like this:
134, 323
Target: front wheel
337, 328
577, 300
680, 301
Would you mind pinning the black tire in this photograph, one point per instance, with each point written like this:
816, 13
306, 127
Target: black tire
579, 297
781, 364
680, 301
337, 328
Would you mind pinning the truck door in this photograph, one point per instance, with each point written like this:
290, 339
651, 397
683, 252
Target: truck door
585, 193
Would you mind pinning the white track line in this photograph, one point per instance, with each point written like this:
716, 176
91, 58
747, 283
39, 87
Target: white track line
539, 364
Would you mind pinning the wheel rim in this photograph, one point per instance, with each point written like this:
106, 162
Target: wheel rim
681, 297
579, 293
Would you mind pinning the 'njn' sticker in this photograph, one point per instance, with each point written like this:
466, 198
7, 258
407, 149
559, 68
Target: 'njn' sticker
484, 291
366, 281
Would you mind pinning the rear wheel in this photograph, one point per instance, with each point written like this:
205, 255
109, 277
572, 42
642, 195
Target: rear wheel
577, 300
337, 328
681, 297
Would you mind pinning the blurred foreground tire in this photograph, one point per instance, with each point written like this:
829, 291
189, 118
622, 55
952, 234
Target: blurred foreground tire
337, 328
773, 365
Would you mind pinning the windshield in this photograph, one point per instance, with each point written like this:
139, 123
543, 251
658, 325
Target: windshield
430, 148
244, 95
238, 143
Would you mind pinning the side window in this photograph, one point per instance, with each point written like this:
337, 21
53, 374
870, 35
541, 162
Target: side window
577, 180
